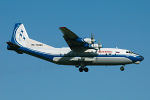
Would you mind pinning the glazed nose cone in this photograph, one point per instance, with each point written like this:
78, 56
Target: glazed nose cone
142, 58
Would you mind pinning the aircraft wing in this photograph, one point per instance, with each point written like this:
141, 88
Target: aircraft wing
71, 38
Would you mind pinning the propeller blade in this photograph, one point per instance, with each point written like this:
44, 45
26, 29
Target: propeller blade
92, 39
99, 45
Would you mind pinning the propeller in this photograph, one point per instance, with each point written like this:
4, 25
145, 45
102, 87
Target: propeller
99, 45
92, 39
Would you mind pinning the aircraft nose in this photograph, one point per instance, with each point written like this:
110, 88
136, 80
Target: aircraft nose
139, 59
142, 58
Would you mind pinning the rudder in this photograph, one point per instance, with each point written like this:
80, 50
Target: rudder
20, 36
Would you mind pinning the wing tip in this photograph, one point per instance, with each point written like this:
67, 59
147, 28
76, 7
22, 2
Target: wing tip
62, 27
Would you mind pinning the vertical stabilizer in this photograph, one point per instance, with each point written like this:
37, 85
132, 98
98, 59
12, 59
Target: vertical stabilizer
20, 36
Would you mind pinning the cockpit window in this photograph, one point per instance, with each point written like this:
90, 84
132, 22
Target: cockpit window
131, 52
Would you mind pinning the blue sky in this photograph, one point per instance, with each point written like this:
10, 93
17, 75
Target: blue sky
117, 23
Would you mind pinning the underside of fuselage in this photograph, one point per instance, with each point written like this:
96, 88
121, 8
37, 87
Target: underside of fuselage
94, 60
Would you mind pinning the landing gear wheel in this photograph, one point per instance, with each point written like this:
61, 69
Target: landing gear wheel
81, 69
122, 68
86, 69
77, 66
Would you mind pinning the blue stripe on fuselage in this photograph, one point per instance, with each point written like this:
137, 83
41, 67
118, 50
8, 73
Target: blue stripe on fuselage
37, 53
132, 58
50, 57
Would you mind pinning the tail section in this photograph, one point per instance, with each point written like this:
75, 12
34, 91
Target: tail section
20, 39
20, 36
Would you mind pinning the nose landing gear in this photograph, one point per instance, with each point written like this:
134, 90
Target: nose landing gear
122, 68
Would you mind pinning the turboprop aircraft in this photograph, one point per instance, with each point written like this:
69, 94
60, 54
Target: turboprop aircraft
81, 52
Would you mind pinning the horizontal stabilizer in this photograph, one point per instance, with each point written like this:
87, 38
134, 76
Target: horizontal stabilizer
12, 46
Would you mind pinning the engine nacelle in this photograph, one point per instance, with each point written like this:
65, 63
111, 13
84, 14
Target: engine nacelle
86, 40
96, 46
89, 43
80, 40
92, 46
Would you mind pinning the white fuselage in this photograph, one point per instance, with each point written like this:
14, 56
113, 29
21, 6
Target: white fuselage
65, 56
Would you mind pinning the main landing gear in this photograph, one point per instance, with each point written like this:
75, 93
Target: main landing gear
122, 68
82, 68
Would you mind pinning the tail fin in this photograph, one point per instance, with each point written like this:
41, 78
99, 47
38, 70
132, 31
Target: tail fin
20, 36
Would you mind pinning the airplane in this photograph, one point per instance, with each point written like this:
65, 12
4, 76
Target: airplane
81, 52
